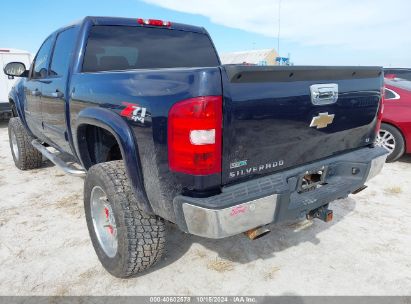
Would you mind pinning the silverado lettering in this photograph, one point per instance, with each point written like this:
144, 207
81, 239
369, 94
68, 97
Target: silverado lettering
256, 169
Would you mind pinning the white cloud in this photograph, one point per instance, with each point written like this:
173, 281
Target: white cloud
355, 24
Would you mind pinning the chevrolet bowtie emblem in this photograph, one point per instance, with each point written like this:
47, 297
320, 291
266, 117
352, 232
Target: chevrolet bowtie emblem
322, 120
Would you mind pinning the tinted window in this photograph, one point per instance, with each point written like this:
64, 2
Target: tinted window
126, 47
63, 50
389, 95
40, 63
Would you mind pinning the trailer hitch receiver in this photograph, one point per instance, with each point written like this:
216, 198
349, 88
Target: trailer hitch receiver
322, 213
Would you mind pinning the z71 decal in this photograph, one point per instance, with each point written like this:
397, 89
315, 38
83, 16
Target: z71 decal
134, 112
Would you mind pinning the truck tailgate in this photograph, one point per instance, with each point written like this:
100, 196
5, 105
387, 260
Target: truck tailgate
281, 117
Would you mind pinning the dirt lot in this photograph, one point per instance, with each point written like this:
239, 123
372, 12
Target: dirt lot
45, 248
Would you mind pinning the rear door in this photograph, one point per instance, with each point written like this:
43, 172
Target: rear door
281, 117
54, 90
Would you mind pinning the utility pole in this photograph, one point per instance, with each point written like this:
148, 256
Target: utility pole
279, 28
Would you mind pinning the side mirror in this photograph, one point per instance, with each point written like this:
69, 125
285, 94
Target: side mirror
15, 69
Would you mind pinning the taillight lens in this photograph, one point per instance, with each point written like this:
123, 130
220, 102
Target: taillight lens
380, 111
194, 135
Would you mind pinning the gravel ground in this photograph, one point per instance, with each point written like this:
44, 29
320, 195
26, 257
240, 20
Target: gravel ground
45, 247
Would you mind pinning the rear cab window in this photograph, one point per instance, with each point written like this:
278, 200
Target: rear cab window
131, 47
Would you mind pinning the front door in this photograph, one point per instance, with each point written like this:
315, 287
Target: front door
33, 86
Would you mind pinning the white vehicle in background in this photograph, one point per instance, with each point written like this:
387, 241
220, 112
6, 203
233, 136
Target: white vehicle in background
6, 82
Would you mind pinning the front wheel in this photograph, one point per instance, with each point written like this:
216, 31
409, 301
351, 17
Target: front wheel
391, 139
25, 156
127, 240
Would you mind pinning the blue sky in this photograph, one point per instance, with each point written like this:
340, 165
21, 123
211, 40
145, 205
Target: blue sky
325, 32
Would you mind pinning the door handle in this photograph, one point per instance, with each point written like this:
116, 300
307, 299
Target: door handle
36, 92
57, 94
322, 94
326, 93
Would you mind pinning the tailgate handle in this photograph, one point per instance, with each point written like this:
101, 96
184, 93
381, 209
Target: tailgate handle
322, 94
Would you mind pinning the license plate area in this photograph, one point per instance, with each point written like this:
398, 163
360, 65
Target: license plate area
311, 180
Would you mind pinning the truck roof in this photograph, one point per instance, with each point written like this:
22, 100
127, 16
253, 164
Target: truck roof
101, 20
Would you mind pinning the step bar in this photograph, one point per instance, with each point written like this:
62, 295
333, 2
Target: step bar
67, 168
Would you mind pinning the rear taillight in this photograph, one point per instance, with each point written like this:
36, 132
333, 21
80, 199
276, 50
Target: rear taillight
194, 135
153, 22
380, 111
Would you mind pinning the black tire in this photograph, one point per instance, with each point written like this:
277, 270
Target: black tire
13, 110
140, 237
25, 156
399, 144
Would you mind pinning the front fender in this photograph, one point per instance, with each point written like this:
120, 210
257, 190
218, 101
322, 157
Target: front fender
17, 95
114, 124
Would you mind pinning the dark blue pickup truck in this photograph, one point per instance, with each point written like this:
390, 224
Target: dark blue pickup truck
164, 132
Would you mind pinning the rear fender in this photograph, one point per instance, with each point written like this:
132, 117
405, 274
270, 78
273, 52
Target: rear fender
114, 124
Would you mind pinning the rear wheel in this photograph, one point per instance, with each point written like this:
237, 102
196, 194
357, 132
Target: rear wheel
25, 156
391, 139
127, 240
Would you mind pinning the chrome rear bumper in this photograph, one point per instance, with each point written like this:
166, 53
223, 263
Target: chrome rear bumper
376, 166
220, 223
275, 198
